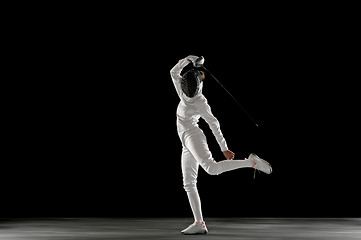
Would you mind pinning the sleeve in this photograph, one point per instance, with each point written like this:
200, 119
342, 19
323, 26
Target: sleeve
214, 125
177, 69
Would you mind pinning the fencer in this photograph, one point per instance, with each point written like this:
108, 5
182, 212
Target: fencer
193, 105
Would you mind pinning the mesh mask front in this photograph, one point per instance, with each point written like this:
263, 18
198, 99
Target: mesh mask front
190, 83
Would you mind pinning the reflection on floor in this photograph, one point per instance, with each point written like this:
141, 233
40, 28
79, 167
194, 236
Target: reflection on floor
169, 228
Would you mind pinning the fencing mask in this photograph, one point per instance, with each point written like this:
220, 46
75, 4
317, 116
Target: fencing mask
191, 82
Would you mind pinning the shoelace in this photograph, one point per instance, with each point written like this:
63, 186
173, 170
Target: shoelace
254, 173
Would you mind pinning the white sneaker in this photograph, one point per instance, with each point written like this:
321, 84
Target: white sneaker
195, 228
260, 164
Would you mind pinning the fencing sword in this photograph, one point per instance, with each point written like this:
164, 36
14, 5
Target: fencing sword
199, 63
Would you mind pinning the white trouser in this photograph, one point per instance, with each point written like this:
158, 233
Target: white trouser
196, 152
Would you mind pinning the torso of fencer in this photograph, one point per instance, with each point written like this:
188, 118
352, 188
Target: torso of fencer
188, 113
189, 110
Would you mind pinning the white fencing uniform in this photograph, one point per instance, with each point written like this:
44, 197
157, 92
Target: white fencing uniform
195, 148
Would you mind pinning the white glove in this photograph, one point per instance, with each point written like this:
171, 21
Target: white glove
199, 62
192, 58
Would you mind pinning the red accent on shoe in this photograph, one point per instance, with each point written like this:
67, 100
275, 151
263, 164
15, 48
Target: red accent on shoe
254, 165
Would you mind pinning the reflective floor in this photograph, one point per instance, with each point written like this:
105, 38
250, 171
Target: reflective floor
165, 228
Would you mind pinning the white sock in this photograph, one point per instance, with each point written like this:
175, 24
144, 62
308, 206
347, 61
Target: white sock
195, 203
228, 165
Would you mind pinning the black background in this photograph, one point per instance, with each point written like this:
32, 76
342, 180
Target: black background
92, 112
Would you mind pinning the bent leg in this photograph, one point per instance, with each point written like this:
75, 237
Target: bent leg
196, 143
229, 165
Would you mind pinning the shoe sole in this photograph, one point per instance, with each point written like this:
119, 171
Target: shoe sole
195, 233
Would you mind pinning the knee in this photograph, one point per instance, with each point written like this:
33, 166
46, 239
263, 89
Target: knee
189, 186
212, 169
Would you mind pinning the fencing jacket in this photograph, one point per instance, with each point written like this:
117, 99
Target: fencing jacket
191, 109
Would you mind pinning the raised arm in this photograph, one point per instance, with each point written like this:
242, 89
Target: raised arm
177, 69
